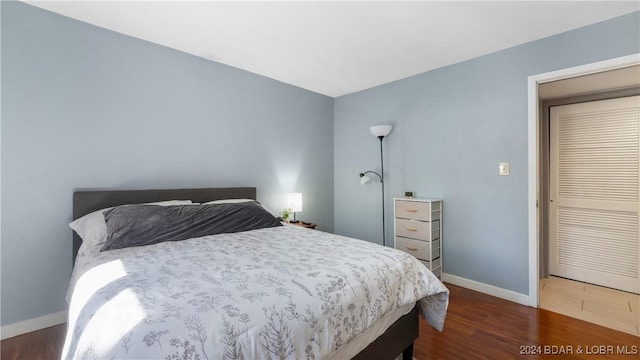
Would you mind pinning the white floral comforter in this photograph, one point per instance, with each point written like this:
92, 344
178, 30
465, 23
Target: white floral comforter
276, 293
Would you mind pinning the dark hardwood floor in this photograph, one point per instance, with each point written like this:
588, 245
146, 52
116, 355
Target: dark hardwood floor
478, 326
42, 344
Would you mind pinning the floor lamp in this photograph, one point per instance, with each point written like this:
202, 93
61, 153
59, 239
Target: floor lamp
379, 131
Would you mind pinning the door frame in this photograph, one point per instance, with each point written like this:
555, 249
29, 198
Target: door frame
534, 162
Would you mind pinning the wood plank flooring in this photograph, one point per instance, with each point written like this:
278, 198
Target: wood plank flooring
43, 344
478, 326
614, 309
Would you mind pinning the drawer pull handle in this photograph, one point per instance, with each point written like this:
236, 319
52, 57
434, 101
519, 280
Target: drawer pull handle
412, 229
411, 248
412, 210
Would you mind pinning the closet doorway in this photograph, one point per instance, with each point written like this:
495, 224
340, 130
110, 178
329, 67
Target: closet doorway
593, 194
612, 78
593, 83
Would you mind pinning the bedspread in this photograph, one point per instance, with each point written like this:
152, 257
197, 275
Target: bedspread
284, 292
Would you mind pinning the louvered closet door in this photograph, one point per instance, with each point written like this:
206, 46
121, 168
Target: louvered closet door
593, 233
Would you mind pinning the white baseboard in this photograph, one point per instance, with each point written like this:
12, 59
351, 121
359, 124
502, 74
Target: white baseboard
486, 289
30, 325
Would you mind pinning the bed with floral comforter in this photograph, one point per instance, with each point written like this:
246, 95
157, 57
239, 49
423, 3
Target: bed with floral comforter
275, 293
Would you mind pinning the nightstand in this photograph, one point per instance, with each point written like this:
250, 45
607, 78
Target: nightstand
307, 225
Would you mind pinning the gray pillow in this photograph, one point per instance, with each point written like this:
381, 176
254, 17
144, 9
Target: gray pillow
138, 225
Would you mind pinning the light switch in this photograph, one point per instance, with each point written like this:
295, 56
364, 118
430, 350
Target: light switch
503, 169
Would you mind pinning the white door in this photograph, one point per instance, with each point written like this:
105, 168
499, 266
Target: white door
593, 234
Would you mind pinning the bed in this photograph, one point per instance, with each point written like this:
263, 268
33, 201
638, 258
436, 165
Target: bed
280, 292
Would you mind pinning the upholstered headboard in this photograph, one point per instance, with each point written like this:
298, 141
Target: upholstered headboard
85, 202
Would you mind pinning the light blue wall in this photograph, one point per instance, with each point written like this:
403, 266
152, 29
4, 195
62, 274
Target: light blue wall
452, 126
83, 107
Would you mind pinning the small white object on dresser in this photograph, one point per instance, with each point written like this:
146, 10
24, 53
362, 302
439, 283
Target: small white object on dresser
417, 225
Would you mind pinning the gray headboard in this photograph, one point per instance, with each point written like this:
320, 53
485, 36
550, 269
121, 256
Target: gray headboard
85, 202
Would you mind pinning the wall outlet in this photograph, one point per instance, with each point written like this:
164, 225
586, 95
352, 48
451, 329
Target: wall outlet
503, 169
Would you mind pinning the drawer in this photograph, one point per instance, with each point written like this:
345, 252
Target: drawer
437, 272
418, 248
413, 210
413, 229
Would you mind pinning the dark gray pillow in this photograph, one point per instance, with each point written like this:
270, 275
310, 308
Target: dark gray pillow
138, 225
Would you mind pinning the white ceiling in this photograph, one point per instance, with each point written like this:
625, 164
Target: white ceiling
336, 48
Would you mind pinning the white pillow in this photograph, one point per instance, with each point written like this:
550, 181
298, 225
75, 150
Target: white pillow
92, 228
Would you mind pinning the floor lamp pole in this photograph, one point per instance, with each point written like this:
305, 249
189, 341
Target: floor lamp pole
384, 233
379, 131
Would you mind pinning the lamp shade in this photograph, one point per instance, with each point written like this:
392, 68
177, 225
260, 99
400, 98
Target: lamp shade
294, 200
365, 179
380, 130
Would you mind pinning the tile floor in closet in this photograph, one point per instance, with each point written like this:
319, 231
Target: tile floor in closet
614, 309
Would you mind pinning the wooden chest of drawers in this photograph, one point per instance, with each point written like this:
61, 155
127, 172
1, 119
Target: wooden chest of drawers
418, 230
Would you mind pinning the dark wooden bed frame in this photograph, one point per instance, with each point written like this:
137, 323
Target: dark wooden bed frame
397, 339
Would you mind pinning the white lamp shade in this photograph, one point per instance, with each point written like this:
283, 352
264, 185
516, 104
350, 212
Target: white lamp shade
365, 179
380, 130
295, 201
